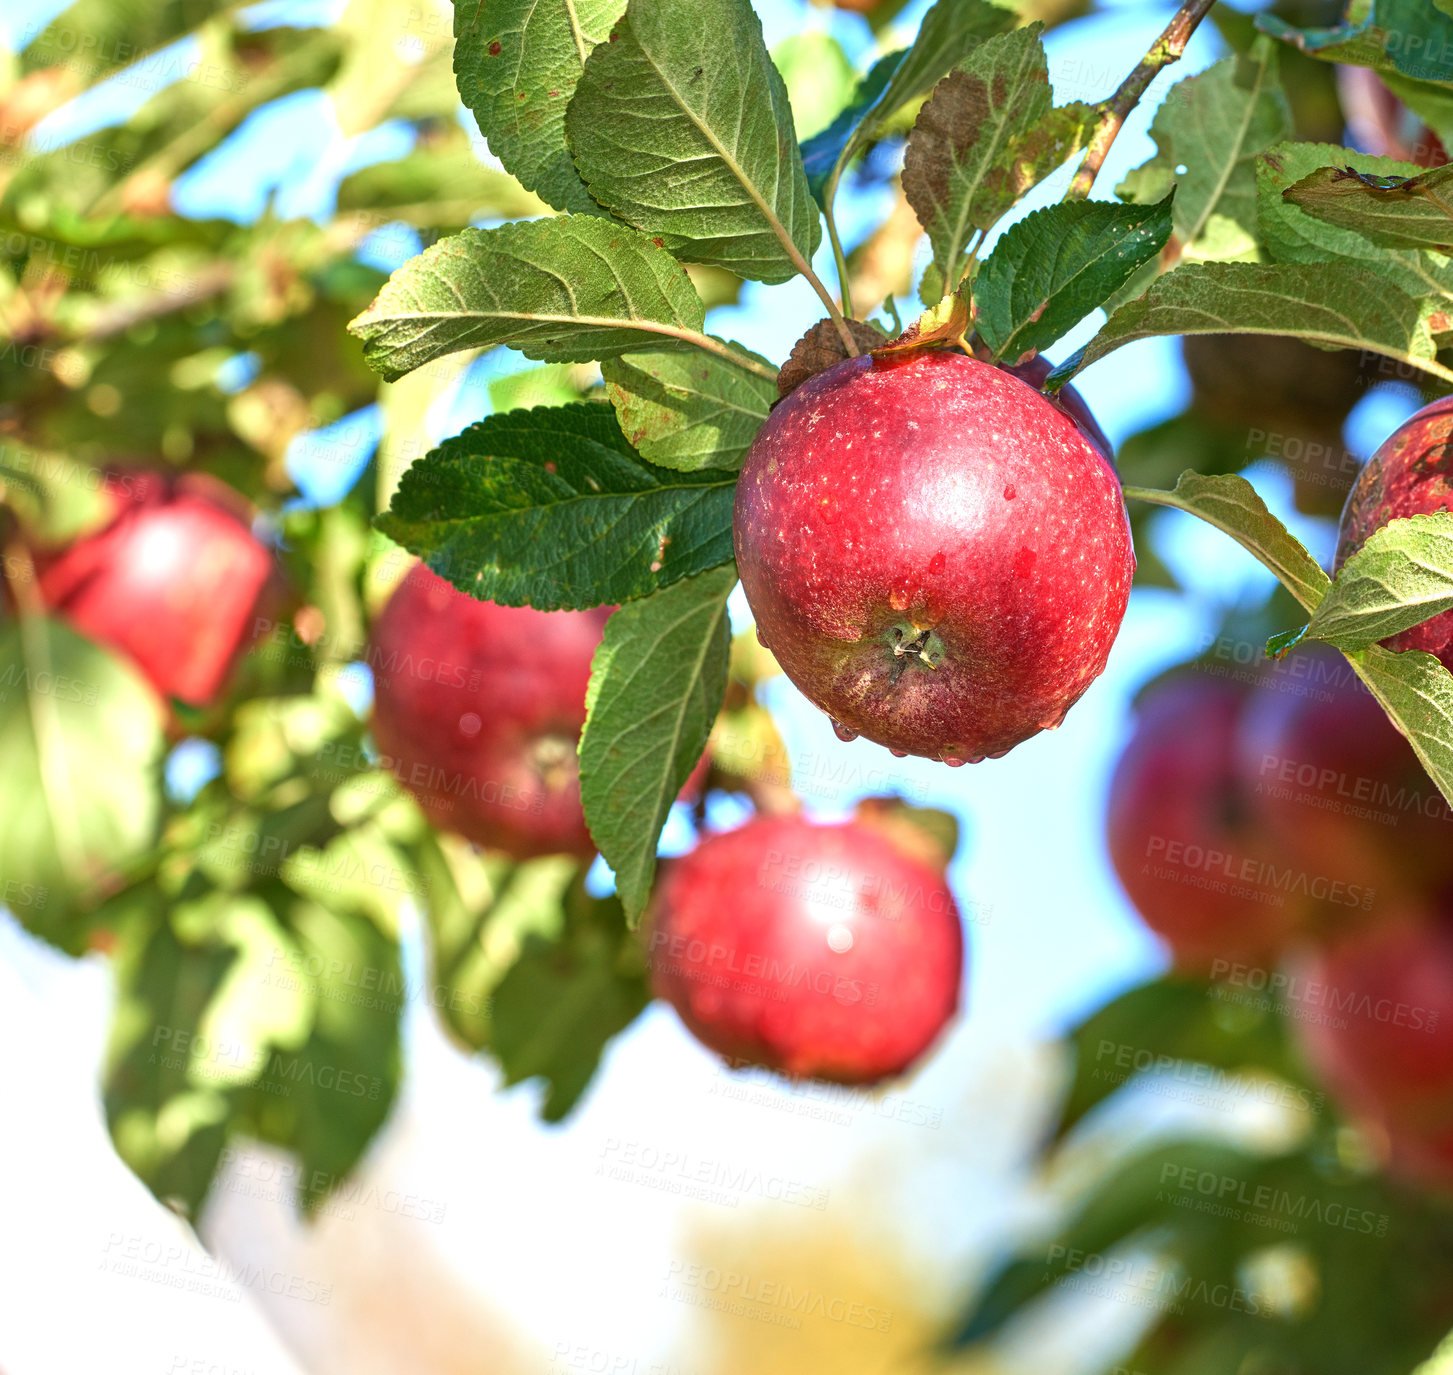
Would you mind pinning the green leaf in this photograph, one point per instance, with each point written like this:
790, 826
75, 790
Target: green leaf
517, 63
566, 290
1441, 1361
1396, 212
1432, 104
327, 1099
1400, 577
681, 126
1230, 503
688, 411
481, 908
950, 31
168, 1121
1208, 131
438, 189
1164, 1023
565, 997
1354, 307
1293, 235
81, 737
656, 686
258, 1004
1410, 37
96, 37
986, 135
1057, 265
1416, 691
820, 79
553, 508
823, 153
56, 498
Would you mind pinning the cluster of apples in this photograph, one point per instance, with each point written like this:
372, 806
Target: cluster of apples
939, 556
819, 950
1275, 829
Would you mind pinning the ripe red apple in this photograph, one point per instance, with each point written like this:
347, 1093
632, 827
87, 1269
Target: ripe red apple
1067, 399
479, 708
829, 952
1374, 1016
1338, 788
937, 556
1411, 474
174, 579
1183, 831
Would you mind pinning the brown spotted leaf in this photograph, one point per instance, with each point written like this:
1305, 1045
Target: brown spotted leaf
986, 136
820, 348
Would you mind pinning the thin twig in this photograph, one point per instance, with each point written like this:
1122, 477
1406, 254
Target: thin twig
973, 257
840, 258
1168, 48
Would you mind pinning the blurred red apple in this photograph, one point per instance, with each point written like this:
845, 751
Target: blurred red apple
174, 580
828, 952
936, 555
1338, 788
1183, 831
1374, 1015
479, 707
1411, 474
1381, 124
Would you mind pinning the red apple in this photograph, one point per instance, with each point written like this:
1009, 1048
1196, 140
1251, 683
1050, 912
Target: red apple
1067, 399
1183, 831
479, 708
1411, 474
174, 580
830, 952
936, 555
1338, 788
1374, 1015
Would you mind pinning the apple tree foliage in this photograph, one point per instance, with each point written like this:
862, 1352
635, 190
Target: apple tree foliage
647, 157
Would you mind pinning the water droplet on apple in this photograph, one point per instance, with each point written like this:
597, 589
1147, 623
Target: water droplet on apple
827, 511
997, 754
469, 724
839, 939
954, 761
937, 562
1009, 492
844, 733
897, 754
761, 639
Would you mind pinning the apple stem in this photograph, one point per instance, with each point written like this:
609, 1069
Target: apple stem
840, 258
834, 314
973, 257
1168, 48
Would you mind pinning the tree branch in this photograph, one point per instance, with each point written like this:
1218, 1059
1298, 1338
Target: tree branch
1168, 48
